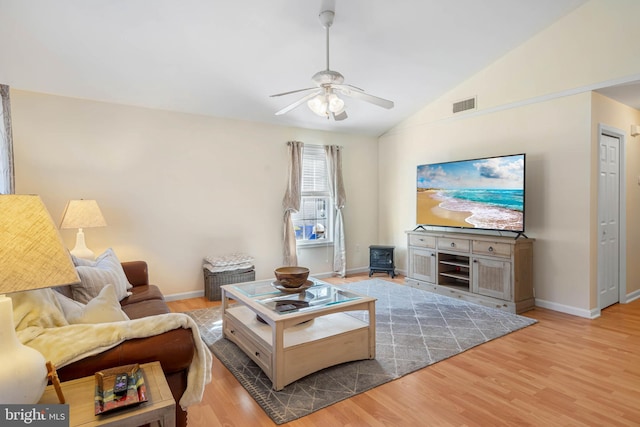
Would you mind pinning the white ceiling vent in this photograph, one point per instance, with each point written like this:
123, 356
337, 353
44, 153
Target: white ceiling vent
464, 105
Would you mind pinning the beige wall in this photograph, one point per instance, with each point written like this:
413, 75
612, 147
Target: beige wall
536, 99
555, 137
176, 187
594, 46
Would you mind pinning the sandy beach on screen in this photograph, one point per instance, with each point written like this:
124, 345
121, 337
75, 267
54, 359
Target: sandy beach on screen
428, 206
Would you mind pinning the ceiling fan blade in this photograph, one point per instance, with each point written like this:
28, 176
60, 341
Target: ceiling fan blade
356, 87
339, 117
293, 91
298, 102
359, 94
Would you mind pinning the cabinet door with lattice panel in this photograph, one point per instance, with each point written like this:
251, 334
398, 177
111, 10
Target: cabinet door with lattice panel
422, 264
491, 278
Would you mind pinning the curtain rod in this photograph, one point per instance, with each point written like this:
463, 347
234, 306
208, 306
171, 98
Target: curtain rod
321, 145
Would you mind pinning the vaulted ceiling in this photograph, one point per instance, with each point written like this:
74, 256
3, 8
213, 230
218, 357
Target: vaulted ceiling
224, 58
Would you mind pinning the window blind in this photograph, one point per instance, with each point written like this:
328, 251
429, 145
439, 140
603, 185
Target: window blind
314, 170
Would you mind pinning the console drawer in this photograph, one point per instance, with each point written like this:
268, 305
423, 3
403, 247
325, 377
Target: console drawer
458, 245
422, 241
492, 248
252, 348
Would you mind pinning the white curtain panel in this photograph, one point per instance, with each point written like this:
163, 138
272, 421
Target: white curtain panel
7, 184
334, 168
291, 202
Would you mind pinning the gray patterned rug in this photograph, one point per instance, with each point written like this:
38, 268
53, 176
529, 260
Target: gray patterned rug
414, 329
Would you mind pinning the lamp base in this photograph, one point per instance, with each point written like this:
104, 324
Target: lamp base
81, 250
23, 371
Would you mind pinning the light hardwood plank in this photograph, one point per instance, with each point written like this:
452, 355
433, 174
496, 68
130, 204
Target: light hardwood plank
562, 371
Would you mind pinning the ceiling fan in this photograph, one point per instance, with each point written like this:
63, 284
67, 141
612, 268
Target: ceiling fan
324, 100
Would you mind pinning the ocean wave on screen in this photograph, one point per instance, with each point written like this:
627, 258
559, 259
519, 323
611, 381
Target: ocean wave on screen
482, 215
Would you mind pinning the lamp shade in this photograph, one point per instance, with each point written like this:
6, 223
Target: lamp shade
82, 214
32, 256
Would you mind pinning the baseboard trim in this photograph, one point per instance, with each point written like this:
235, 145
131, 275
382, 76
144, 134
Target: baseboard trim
632, 296
184, 295
574, 311
589, 314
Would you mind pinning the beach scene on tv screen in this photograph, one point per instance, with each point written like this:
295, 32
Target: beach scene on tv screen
482, 193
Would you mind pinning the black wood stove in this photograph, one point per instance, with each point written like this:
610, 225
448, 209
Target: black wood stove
381, 260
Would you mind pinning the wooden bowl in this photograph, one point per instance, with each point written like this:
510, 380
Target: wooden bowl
292, 277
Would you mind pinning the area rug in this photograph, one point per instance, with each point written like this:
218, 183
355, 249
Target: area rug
414, 329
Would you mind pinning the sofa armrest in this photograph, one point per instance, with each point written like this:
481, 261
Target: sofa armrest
137, 272
174, 350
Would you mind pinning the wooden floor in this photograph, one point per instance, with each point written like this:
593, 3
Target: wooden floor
562, 371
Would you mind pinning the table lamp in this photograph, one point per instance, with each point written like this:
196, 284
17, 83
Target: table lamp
82, 214
32, 256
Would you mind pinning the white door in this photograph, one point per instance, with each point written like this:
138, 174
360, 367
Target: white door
608, 221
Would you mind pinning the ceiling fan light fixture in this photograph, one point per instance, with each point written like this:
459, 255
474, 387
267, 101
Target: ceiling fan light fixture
319, 105
336, 104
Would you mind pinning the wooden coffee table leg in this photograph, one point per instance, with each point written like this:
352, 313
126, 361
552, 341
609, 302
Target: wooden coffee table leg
372, 329
278, 350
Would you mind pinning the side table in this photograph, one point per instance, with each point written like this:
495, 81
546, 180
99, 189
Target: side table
79, 395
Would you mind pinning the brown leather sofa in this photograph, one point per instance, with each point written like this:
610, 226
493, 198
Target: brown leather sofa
173, 349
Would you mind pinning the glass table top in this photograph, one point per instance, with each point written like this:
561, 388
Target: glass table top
319, 294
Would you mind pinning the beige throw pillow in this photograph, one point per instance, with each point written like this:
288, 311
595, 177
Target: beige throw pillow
103, 308
94, 275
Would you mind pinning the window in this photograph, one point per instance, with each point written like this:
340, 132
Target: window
313, 224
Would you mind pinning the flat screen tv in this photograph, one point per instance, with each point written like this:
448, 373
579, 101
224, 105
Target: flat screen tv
486, 193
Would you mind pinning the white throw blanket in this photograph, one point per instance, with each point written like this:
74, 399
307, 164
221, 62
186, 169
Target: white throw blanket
40, 324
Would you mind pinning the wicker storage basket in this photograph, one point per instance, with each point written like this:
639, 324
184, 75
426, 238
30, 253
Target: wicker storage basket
213, 281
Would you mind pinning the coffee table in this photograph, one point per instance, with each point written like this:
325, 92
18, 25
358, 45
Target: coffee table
290, 345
